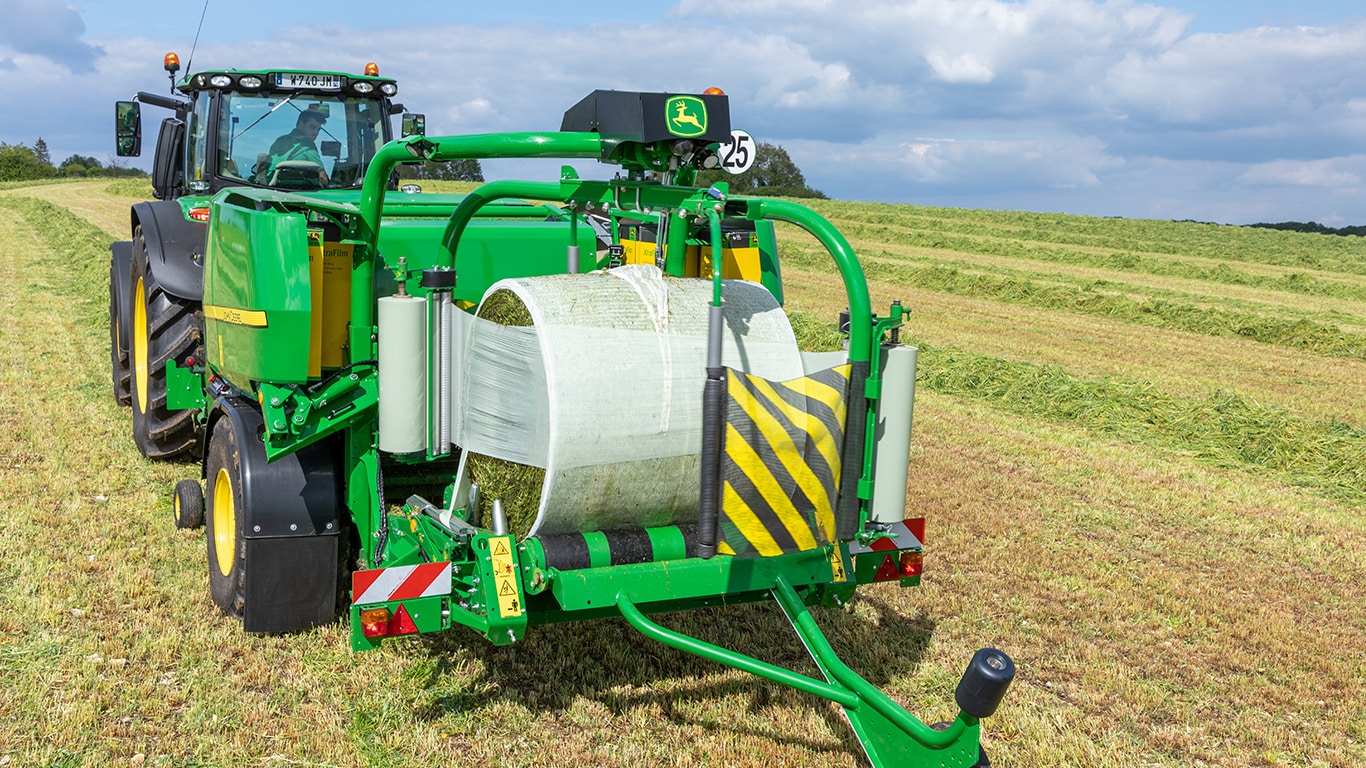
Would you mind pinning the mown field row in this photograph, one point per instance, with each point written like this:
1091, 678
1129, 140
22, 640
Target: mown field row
1161, 523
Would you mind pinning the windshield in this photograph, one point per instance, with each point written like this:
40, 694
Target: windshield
300, 140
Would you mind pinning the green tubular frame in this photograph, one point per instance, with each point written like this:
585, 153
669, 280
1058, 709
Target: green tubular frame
889, 734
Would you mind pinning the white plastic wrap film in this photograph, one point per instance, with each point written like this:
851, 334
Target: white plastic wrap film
892, 451
604, 390
402, 374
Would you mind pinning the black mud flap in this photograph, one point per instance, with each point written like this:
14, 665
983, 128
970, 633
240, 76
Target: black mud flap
291, 584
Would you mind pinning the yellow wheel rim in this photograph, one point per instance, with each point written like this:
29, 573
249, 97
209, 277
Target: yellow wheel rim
224, 522
140, 345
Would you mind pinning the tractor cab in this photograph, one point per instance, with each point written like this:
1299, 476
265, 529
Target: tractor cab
289, 130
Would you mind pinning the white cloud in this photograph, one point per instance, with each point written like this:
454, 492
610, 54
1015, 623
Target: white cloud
49, 29
1103, 107
1330, 173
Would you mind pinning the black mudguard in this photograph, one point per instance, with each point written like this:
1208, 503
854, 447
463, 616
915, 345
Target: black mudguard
121, 274
175, 248
291, 522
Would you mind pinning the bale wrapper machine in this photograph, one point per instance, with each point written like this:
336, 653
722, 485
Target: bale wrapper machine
597, 412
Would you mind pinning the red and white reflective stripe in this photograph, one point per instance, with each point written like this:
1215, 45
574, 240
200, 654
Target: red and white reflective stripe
905, 538
404, 582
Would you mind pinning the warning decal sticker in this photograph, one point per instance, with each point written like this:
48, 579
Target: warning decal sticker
505, 577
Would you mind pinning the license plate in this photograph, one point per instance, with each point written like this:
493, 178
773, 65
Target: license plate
308, 80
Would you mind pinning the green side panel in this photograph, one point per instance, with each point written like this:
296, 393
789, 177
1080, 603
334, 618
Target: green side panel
256, 296
772, 272
184, 388
489, 251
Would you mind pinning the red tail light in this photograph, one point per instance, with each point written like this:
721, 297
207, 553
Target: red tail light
377, 622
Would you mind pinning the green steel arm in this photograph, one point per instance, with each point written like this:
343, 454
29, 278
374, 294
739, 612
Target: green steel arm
482, 196
482, 145
835, 693
855, 283
846, 687
825, 657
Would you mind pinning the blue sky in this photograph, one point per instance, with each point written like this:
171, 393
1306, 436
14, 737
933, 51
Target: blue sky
1215, 111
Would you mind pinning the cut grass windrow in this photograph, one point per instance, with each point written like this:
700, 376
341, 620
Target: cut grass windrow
84, 243
1101, 301
1297, 250
1120, 260
1223, 428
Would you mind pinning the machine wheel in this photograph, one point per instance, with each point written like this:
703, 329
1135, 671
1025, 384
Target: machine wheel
164, 328
226, 545
189, 504
120, 373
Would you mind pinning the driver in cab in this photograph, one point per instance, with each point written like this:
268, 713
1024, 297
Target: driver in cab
300, 145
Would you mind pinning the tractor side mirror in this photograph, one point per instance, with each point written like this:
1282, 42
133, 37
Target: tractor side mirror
414, 124
330, 149
127, 129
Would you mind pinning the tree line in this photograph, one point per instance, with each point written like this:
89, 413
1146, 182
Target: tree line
773, 173
23, 163
1314, 227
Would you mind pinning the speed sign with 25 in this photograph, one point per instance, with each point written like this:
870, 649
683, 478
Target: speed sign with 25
737, 155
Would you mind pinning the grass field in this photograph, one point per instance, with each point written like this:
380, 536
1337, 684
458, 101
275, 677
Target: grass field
1140, 446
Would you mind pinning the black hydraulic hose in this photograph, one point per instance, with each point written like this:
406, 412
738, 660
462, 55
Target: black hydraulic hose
851, 460
713, 422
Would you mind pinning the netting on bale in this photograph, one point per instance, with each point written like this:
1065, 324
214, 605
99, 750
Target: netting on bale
580, 396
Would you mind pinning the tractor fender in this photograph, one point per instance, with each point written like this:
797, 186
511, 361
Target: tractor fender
290, 523
175, 248
121, 273
295, 495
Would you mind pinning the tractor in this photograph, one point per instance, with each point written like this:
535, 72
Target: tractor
221, 134
538, 402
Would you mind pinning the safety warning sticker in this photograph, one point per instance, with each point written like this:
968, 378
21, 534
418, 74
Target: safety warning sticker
504, 576
837, 566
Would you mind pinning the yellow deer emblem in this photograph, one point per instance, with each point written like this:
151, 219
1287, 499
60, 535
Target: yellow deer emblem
685, 121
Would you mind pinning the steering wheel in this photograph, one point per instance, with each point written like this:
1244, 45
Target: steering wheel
297, 174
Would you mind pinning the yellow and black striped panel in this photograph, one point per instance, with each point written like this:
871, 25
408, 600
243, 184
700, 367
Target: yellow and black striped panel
781, 462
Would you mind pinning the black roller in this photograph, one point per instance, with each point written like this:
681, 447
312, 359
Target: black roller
985, 682
565, 551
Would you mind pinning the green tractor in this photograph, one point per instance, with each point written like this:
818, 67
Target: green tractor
549, 401
270, 129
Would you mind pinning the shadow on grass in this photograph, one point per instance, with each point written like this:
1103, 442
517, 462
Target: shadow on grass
607, 661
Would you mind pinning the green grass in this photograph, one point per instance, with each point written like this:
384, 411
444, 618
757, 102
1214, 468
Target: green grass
1177, 575
1223, 428
1006, 243
974, 231
1105, 299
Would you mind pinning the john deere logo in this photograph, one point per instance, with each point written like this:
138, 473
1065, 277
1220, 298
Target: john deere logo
686, 116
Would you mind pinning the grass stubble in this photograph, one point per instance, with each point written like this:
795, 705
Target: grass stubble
1165, 607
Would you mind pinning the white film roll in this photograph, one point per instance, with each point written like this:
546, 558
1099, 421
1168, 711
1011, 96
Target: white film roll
402, 374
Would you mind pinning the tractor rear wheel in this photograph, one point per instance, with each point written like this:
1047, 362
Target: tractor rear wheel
223, 518
164, 329
120, 373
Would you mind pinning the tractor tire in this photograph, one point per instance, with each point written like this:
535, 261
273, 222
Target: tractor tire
223, 518
189, 504
120, 372
164, 328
